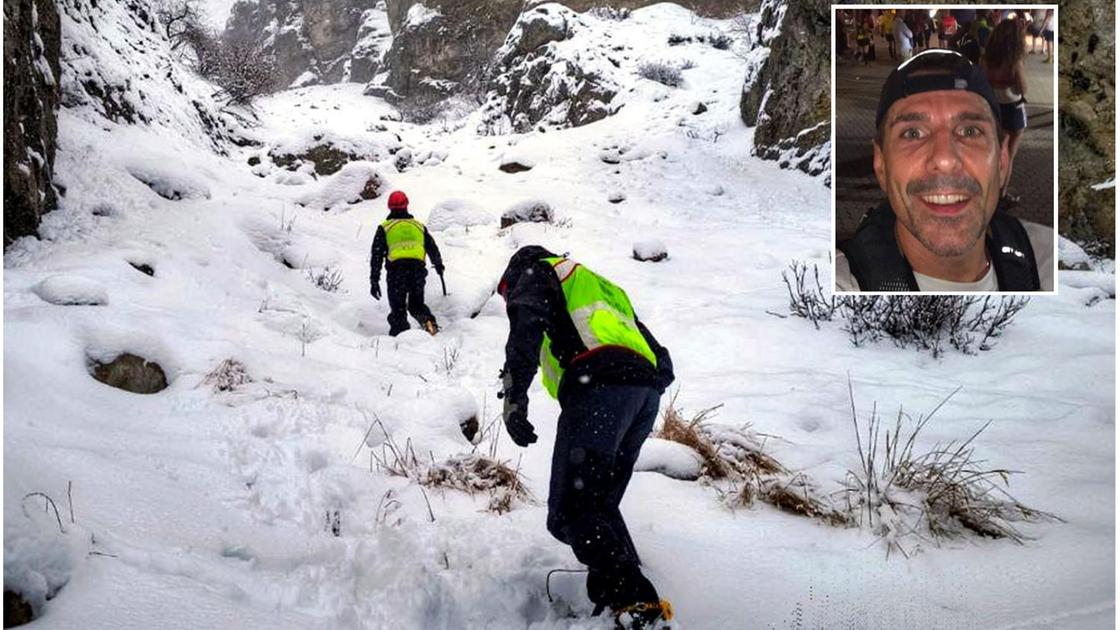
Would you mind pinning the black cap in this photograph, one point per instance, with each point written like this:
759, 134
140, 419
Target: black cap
934, 70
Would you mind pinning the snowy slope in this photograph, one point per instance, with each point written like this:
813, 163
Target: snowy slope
196, 508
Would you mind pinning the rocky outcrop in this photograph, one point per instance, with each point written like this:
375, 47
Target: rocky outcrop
313, 41
32, 74
554, 69
442, 47
786, 92
1087, 125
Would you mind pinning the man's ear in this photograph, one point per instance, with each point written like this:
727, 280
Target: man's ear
877, 162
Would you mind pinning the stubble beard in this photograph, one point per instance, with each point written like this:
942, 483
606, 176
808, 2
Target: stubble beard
947, 237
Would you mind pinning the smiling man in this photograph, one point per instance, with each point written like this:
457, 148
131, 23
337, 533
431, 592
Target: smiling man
941, 158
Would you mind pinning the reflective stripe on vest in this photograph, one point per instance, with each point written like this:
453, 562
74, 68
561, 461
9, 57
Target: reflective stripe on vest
602, 315
405, 238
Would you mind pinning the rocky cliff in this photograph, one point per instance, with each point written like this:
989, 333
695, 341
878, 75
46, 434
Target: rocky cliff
314, 41
786, 94
32, 42
1087, 124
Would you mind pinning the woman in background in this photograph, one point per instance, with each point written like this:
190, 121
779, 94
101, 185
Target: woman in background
1003, 65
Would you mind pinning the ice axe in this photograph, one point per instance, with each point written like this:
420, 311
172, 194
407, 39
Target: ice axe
442, 283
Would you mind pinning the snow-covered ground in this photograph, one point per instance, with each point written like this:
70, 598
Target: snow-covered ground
195, 508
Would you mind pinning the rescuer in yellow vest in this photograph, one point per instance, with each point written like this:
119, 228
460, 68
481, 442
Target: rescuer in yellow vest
608, 373
404, 241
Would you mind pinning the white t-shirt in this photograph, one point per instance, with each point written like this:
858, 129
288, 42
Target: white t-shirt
1042, 242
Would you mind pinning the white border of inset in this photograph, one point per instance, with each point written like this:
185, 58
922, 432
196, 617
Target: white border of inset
1054, 79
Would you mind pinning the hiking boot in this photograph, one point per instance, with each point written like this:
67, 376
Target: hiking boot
644, 616
431, 327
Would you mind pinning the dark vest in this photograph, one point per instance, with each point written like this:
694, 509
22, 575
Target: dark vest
878, 264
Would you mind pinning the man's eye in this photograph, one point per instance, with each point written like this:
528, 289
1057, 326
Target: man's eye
912, 133
971, 131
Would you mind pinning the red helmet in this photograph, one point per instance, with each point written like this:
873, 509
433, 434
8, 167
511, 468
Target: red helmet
398, 200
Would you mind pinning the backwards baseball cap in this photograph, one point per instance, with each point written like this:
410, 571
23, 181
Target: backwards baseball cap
934, 70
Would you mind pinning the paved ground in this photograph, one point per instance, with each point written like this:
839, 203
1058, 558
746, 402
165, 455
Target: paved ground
857, 97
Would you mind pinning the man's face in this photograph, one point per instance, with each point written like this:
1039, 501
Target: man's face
942, 166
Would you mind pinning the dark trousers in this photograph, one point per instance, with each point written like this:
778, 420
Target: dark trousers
406, 294
599, 435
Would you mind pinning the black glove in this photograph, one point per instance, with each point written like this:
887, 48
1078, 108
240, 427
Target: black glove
515, 411
439, 270
375, 290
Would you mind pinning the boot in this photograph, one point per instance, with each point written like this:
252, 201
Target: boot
644, 616
431, 327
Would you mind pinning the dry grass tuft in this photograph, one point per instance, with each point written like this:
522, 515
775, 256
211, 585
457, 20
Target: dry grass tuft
944, 493
473, 473
737, 457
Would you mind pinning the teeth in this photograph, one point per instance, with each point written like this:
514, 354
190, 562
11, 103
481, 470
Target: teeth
945, 199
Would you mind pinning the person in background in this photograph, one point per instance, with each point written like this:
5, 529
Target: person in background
1048, 35
1002, 64
903, 37
886, 27
1037, 19
405, 242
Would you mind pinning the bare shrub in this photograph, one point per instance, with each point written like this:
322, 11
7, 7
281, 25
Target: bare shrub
241, 70
228, 376
924, 322
906, 496
421, 108
327, 278
662, 72
178, 18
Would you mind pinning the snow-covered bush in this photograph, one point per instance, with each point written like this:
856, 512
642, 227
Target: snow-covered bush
228, 376
326, 278
905, 495
38, 555
924, 322
662, 72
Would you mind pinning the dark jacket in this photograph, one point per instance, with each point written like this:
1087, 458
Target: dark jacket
380, 249
535, 305
877, 263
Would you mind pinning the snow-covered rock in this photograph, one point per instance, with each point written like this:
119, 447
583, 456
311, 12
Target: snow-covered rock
1071, 256
355, 182
529, 211
451, 213
327, 152
651, 250
171, 184
669, 458
556, 67
71, 290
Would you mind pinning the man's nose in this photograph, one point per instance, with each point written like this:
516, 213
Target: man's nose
944, 156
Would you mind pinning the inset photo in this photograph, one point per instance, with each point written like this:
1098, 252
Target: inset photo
945, 149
